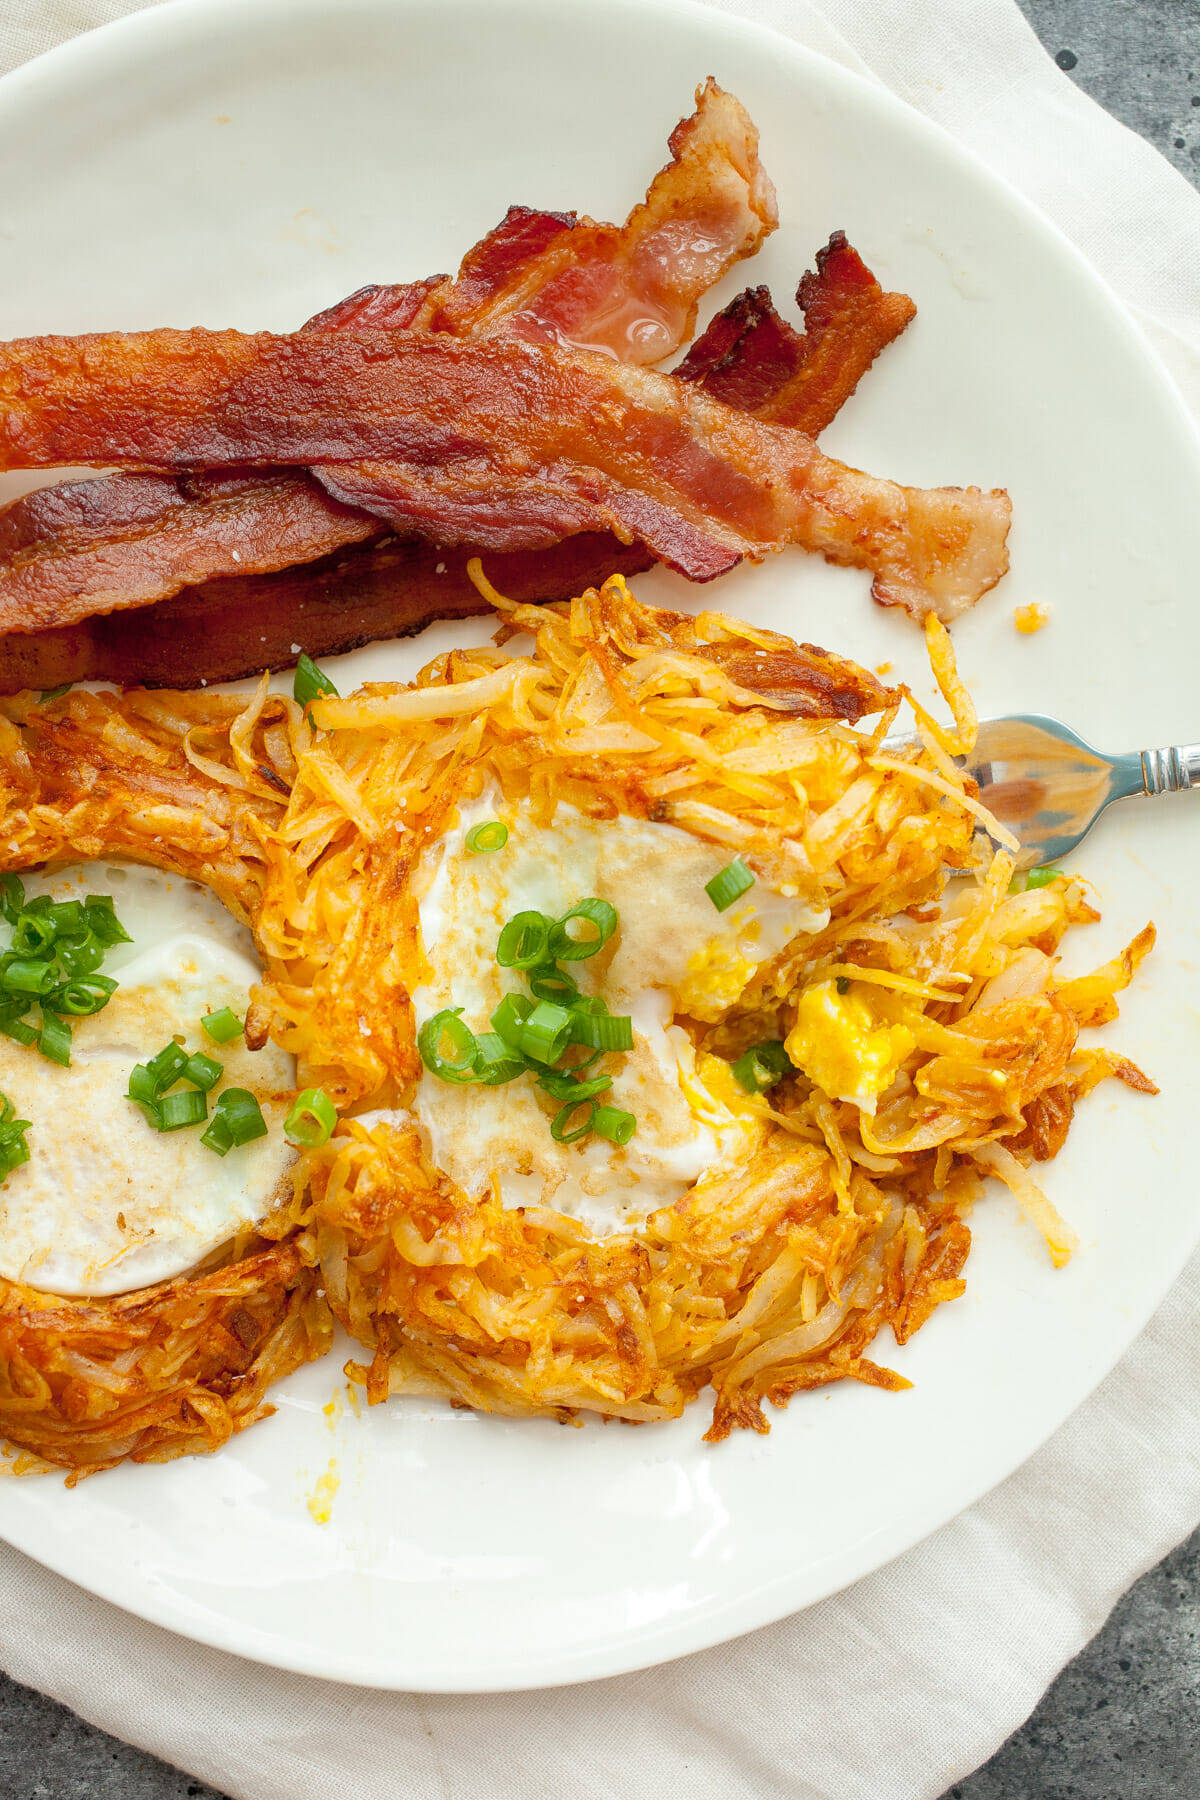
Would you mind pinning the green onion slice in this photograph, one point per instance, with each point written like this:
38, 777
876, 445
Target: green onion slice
202, 1071
168, 1065
103, 921
549, 982
241, 1114
598, 920
524, 940
310, 682
12, 897
312, 1119
13, 1026
492, 835
601, 1031
561, 1129
188, 1106
143, 1087
27, 975
1040, 878
81, 956
611, 1123
565, 1087
217, 1137
54, 1040
496, 1060
509, 1018
729, 885
760, 1067
546, 1032
82, 996
223, 1026
54, 693
70, 919
34, 934
447, 1046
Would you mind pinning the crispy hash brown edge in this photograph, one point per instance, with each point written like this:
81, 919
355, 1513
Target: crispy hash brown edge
774, 1280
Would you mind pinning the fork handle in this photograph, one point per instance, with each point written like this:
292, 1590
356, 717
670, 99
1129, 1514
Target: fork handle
1170, 771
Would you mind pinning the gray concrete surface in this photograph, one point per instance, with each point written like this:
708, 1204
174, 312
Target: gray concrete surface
1123, 1721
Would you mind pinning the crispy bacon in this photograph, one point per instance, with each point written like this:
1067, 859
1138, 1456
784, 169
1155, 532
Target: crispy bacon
88, 547
377, 308
750, 357
498, 444
712, 195
633, 291
224, 630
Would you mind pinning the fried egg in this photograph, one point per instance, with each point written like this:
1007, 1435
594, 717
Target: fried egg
673, 955
105, 1203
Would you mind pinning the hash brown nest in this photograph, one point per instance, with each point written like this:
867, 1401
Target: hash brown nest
776, 1279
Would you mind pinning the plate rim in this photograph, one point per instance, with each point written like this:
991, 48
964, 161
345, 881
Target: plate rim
717, 1621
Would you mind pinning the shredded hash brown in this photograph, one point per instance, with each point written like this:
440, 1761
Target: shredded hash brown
774, 1279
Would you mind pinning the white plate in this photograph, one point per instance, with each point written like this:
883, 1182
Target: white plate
225, 163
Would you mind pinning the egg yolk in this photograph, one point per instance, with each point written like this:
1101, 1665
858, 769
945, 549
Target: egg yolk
844, 1047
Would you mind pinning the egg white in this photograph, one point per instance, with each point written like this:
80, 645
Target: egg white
671, 948
106, 1204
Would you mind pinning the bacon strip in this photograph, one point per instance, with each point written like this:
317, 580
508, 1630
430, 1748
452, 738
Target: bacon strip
224, 630
115, 552
88, 547
751, 358
497, 444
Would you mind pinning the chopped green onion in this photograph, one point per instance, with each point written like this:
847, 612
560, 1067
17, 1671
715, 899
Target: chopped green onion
549, 982
562, 1086
310, 682
82, 996
729, 885
842, 984
34, 934
240, 1113
187, 1106
13, 1148
546, 1032
223, 1026
493, 835
16, 1028
1040, 878
12, 897
81, 956
217, 1135
611, 1123
54, 1039
143, 1087
447, 1046
168, 1065
523, 941
496, 1061
103, 921
601, 1031
760, 1067
509, 1018
202, 1071
27, 975
601, 919
70, 919
562, 1119
55, 693
311, 1120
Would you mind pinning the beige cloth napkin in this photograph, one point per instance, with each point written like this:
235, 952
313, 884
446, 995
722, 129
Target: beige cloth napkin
909, 1680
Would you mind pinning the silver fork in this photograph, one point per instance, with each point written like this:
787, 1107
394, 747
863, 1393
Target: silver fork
1049, 787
